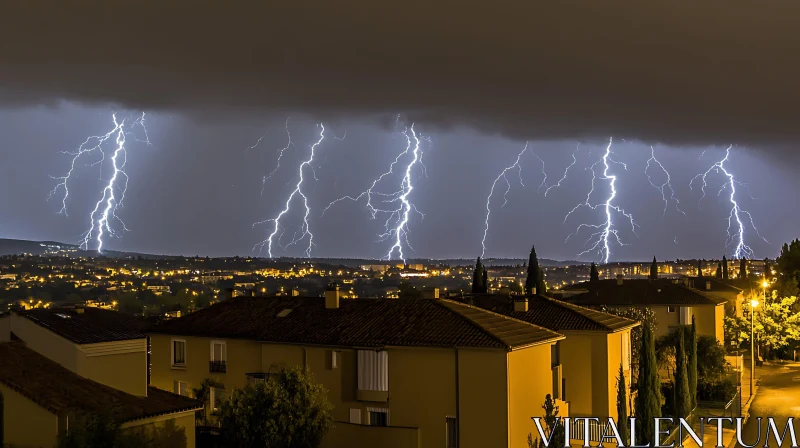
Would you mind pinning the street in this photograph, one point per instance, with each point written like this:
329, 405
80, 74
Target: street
778, 396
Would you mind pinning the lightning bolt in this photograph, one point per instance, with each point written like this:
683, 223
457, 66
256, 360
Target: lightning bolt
516, 165
104, 213
298, 191
599, 241
394, 205
667, 185
742, 250
564, 177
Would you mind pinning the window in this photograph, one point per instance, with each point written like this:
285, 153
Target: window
452, 432
218, 357
217, 395
180, 388
373, 370
178, 353
670, 309
378, 417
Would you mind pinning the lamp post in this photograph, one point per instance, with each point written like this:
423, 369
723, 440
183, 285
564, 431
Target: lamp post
753, 305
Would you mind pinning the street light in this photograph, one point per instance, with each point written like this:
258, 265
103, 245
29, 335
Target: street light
753, 305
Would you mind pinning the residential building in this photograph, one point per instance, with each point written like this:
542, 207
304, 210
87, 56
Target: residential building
399, 373
733, 296
42, 398
101, 345
672, 302
585, 364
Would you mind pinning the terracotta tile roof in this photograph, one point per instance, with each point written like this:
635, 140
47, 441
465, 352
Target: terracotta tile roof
92, 326
58, 389
640, 292
552, 314
717, 285
358, 323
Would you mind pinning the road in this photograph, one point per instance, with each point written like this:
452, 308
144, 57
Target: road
778, 396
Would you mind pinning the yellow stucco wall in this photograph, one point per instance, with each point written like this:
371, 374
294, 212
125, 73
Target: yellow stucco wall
576, 350
483, 398
184, 420
529, 381
423, 385
361, 436
26, 423
126, 371
710, 321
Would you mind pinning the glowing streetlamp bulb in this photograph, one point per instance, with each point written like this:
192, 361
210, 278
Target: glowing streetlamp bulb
754, 303
765, 283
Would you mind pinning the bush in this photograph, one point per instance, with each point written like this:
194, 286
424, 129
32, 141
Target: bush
719, 389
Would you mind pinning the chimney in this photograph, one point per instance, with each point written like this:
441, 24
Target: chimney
619, 279
708, 286
332, 297
521, 305
79, 310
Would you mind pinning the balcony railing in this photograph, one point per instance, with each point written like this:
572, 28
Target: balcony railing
217, 367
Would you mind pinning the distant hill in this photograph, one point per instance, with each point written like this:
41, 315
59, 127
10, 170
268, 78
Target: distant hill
17, 247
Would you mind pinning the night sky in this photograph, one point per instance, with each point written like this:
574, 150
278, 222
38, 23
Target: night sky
478, 82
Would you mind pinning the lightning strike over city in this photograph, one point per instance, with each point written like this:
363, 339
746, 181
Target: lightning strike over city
665, 186
104, 214
395, 206
503, 175
601, 237
564, 176
305, 229
736, 223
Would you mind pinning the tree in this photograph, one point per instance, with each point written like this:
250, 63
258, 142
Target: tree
682, 398
691, 369
541, 287
103, 431
532, 281
289, 410
622, 407
554, 428
485, 281
767, 268
477, 278
718, 273
593, 274
724, 268
654, 270
699, 269
743, 268
648, 398
776, 325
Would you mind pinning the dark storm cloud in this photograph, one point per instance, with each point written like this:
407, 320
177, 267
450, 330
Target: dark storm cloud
670, 71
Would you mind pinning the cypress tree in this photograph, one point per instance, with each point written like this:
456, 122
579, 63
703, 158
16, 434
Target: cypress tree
654, 270
691, 369
718, 274
485, 281
743, 268
699, 269
593, 274
477, 278
724, 268
767, 268
648, 398
532, 281
682, 399
622, 407
541, 287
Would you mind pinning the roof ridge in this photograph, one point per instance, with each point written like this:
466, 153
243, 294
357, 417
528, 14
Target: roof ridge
582, 310
503, 316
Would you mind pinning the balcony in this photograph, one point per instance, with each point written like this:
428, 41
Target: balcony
258, 377
217, 367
